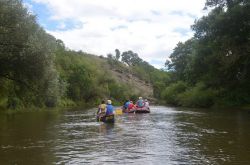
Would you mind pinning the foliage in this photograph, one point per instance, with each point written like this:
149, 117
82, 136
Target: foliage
180, 60
217, 57
198, 96
171, 93
119, 92
38, 70
26, 58
130, 58
136, 67
117, 54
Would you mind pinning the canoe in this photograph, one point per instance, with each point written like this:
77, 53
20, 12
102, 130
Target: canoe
140, 110
106, 118
137, 110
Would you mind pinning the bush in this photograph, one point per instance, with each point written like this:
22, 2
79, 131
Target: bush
233, 98
170, 94
66, 103
13, 103
198, 96
118, 92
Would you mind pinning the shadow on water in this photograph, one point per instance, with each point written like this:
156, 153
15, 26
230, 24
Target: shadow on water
165, 136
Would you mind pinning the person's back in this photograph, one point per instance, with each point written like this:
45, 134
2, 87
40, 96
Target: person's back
102, 108
140, 103
110, 109
126, 105
131, 105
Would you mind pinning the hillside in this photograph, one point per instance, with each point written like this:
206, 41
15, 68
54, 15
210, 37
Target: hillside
138, 86
123, 74
91, 78
38, 70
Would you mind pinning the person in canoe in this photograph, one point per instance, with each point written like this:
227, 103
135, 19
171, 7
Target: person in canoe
109, 108
131, 105
140, 103
109, 115
106, 114
126, 105
101, 109
142, 106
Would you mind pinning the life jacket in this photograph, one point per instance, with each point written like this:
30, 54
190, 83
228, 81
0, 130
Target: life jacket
131, 105
140, 103
110, 110
126, 104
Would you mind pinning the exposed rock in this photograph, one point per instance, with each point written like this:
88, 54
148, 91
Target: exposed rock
139, 86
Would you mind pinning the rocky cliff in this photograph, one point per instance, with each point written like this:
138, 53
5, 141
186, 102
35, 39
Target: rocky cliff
138, 86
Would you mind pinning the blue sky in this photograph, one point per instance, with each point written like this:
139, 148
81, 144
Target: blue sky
151, 28
44, 14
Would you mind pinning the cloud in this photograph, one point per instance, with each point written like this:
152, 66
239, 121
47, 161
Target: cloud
182, 31
158, 63
119, 27
29, 7
150, 28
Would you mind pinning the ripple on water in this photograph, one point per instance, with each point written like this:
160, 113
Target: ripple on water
165, 136
72, 124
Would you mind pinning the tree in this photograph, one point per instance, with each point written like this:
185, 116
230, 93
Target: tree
218, 57
180, 60
228, 47
117, 54
79, 83
225, 3
26, 55
131, 58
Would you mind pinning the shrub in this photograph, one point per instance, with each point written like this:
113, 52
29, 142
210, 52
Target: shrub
170, 94
198, 96
13, 103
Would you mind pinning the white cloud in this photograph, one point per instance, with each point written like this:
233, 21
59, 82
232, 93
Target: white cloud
29, 7
149, 27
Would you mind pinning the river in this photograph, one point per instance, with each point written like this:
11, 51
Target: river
165, 136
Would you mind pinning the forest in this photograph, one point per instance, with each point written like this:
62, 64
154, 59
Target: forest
210, 69
213, 67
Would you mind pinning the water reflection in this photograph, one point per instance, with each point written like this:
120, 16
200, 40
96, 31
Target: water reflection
106, 128
26, 138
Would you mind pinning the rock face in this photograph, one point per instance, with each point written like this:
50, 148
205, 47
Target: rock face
140, 87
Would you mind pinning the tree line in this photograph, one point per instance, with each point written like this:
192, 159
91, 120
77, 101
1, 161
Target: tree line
213, 67
210, 69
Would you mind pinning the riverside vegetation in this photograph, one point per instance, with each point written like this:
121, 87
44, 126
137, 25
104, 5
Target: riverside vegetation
37, 70
212, 68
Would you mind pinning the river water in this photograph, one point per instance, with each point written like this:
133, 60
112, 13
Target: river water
165, 136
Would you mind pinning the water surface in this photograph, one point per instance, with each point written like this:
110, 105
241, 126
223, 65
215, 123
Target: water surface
165, 136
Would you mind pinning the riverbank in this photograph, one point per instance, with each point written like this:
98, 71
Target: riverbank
39, 109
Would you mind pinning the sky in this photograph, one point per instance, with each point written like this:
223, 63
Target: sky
150, 28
